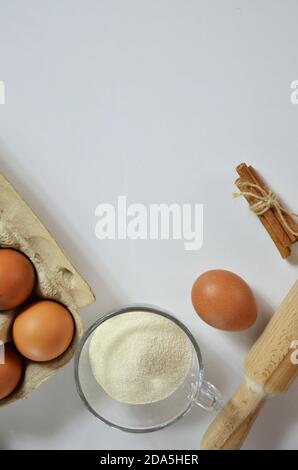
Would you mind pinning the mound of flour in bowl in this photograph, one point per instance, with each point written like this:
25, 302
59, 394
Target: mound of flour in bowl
140, 357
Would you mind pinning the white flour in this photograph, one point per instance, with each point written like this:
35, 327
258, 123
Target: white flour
140, 357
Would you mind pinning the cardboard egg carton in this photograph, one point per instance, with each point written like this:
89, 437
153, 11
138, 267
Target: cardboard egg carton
57, 279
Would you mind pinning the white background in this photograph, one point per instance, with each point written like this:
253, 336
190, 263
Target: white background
158, 101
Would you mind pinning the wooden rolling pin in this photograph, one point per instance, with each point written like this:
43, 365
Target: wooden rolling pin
269, 370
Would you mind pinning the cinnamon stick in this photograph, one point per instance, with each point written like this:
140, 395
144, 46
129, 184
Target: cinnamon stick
274, 228
284, 251
288, 218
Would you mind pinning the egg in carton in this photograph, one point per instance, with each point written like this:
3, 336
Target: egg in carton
57, 279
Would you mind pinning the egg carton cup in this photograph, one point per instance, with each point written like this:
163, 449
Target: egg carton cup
57, 279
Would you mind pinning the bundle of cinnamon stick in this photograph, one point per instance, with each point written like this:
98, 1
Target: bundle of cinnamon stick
280, 224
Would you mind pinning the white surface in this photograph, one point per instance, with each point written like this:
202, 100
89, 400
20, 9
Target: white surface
156, 100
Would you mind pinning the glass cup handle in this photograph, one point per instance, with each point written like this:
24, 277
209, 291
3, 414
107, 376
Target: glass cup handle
209, 398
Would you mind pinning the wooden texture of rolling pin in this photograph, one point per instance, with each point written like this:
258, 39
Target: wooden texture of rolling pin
269, 370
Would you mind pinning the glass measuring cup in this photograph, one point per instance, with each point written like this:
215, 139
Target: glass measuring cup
195, 390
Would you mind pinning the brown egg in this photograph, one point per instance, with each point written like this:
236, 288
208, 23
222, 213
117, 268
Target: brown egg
43, 331
17, 278
10, 370
224, 300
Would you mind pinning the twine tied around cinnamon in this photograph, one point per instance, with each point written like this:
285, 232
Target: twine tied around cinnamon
266, 200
